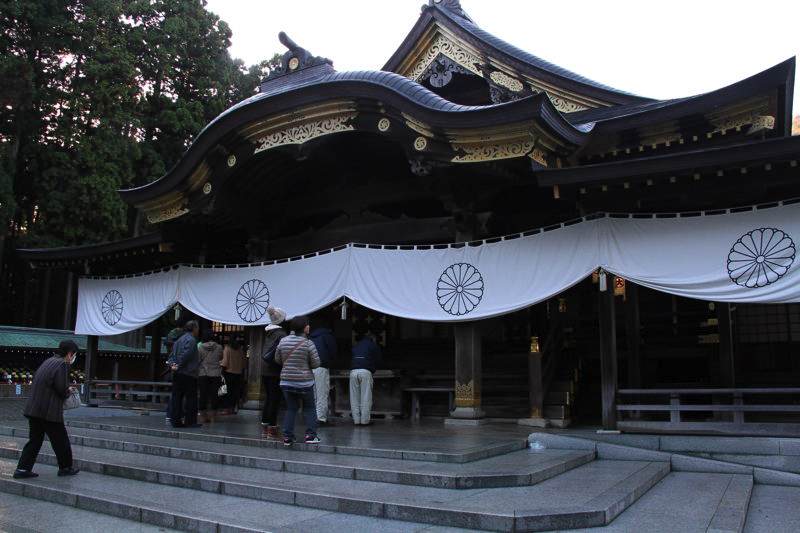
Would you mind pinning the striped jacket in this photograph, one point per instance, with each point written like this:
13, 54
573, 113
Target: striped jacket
297, 355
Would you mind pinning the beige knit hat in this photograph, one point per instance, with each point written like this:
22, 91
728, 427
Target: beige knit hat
277, 316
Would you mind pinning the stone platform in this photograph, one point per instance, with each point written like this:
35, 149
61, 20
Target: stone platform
391, 476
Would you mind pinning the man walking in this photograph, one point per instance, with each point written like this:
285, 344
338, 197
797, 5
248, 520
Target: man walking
45, 413
186, 366
325, 342
366, 357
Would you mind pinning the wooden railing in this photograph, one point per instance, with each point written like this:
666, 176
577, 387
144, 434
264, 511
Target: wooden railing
727, 410
129, 393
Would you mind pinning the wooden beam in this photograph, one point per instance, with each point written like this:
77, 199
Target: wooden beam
608, 352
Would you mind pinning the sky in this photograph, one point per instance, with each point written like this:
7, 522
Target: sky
655, 49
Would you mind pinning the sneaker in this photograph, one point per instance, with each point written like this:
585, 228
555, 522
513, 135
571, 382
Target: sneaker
67, 471
23, 474
288, 441
311, 440
274, 433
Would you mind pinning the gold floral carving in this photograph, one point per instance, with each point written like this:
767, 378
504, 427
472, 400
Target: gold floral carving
231, 160
446, 47
565, 105
474, 153
207, 188
539, 155
301, 133
168, 213
504, 80
383, 124
420, 143
754, 118
466, 395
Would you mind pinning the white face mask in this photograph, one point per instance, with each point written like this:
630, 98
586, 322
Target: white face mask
72, 359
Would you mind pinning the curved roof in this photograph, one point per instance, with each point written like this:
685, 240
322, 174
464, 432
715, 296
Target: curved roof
389, 89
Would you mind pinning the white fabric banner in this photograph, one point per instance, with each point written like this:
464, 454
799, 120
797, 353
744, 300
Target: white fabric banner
241, 295
113, 306
746, 256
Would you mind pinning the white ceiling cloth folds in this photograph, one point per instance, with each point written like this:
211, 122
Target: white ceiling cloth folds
732, 256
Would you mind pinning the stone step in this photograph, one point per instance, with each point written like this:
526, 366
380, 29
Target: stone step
680, 462
27, 515
773, 509
685, 501
386, 445
518, 468
586, 496
172, 507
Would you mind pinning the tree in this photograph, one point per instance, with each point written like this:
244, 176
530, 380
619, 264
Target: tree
101, 95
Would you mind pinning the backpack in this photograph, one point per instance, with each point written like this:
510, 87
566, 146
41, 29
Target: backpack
269, 356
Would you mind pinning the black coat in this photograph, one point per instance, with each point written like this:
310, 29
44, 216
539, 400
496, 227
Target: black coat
48, 391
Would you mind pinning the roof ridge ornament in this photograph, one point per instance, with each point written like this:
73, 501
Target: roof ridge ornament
453, 6
295, 59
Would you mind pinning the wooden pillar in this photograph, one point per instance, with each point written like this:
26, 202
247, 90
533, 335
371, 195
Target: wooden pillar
155, 351
69, 302
608, 352
92, 343
44, 299
256, 337
535, 388
634, 335
726, 366
468, 375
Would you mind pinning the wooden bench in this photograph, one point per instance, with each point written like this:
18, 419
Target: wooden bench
416, 395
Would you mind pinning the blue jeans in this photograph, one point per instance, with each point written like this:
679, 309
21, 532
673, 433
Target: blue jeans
293, 398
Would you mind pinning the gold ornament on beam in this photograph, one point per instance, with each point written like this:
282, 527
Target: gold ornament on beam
383, 124
446, 47
231, 160
302, 133
475, 153
504, 80
420, 143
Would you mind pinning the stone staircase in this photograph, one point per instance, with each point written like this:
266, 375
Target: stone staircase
198, 481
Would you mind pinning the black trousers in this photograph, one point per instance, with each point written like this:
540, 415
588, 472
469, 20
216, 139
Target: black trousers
272, 399
209, 386
59, 440
184, 388
231, 400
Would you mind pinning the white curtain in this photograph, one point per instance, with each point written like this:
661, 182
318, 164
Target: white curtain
112, 306
733, 257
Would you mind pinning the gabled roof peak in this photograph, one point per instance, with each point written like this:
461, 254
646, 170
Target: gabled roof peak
452, 6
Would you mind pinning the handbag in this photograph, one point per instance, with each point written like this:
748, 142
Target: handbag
73, 401
223, 389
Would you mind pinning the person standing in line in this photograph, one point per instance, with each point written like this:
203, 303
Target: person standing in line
366, 358
172, 337
185, 368
298, 357
233, 365
271, 374
210, 377
45, 413
325, 342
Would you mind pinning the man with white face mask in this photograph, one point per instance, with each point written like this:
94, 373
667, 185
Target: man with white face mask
45, 412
